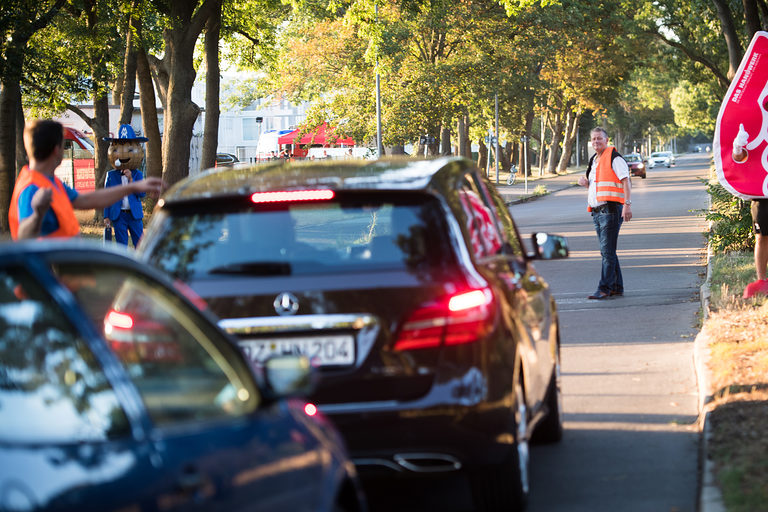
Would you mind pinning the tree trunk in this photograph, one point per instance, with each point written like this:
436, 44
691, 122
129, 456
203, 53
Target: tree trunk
21, 153
12, 64
524, 164
160, 78
751, 16
482, 155
10, 92
150, 125
618, 141
212, 91
445, 141
181, 112
461, 132
731, 36
542, 141
467, 152
129, 75
100, 128
571, 126
554, 146
505, 156
118, 87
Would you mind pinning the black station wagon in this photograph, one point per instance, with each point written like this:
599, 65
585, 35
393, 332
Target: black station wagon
407, 284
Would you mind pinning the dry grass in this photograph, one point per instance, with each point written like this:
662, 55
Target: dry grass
89, 228
739, 365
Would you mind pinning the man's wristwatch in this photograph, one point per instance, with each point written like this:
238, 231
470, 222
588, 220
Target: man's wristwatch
628, 201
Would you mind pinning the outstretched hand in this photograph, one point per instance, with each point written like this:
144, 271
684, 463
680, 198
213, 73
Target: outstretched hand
151, 185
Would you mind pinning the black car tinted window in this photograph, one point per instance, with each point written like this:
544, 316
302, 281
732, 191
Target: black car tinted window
303, 238
51, 387
184, 369
479, 219
513, 244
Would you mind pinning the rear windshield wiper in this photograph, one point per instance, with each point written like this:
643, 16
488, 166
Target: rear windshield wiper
261, 268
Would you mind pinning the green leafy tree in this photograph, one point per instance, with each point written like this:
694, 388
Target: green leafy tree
19, 21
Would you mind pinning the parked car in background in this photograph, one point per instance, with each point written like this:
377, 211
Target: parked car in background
119, 394
225, 160
636, 164
665, 158
407, 284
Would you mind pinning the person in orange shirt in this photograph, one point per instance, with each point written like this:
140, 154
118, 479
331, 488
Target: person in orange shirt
43, 206
608, 199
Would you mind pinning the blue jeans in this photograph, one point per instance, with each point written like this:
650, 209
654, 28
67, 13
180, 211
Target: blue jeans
607, 224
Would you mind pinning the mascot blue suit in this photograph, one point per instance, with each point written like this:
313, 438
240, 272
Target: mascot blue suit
126, 215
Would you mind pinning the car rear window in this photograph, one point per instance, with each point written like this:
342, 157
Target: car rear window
301, 238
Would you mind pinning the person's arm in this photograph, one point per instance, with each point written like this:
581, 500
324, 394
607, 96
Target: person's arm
626, 212
31, 226
107, 196
105, 212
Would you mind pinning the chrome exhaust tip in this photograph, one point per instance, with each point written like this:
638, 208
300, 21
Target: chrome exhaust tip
413, 462
427, 462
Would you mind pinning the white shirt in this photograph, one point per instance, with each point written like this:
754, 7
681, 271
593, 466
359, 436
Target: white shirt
620, 168
126, 205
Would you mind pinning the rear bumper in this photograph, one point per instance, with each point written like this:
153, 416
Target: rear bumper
411, 438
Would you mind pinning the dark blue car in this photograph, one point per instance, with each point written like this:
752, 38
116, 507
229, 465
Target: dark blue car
118, 393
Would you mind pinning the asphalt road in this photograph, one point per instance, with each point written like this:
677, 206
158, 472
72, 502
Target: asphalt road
631, 441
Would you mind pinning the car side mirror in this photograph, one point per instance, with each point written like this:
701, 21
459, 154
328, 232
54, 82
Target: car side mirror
287, 376
548, 247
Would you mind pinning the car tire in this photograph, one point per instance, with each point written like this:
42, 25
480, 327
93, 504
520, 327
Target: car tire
505, 486
550, 429
643, 176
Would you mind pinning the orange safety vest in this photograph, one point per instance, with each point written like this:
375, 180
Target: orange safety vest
609, 187
60, 204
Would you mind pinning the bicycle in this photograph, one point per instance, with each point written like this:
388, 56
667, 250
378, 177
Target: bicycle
512, 175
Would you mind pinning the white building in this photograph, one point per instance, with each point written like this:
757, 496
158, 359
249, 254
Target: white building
240, 129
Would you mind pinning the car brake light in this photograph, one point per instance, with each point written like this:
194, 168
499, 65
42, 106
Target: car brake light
310, 409
292, 195
461, 318
118, 320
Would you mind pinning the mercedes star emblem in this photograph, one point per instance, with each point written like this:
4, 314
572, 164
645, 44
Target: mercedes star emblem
286, 304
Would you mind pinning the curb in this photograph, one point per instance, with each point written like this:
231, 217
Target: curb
710, 496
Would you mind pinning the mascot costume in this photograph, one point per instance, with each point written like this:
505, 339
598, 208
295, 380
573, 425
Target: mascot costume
740, 148
126, 154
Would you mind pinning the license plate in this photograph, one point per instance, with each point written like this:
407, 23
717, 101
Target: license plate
321, 350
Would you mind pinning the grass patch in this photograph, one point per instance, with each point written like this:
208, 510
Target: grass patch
739, 368
731, 272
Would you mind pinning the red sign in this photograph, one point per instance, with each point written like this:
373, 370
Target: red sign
743, 118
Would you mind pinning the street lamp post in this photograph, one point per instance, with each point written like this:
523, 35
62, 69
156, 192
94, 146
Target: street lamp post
496, 142
259, 121
524, 140
379, 148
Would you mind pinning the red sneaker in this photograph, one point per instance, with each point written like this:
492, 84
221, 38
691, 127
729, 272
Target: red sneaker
759, 286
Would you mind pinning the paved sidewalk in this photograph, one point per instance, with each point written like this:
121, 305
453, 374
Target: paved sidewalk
517, 193
710, 496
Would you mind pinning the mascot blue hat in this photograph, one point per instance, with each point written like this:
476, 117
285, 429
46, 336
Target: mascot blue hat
126, 134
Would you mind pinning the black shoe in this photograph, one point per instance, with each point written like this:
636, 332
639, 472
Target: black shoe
598, 295
616, 294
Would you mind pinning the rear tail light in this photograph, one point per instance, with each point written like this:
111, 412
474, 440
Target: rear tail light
461, 318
